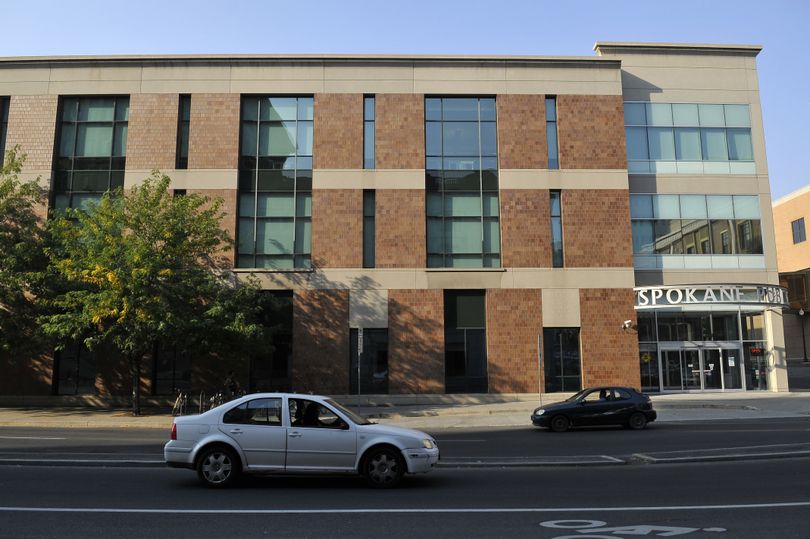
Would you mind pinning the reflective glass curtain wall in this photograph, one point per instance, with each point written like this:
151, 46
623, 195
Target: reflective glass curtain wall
462, 182
275, 183
91, 150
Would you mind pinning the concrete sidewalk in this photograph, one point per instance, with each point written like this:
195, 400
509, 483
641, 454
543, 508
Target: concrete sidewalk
671, 407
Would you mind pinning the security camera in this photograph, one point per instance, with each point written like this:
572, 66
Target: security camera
627, 324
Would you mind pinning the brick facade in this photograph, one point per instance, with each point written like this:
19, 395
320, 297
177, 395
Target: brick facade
609, 353
152, 131
32, 124
337, 228
321, 341
214, 131
30, 375
338, 131
596, 228
229, 209
590, 131
415, 341
400, 228
525, 228
400, 129
514, 325
522, 140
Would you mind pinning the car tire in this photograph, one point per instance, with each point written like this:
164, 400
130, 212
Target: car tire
560, 423
383, 467
637, 421
218, 467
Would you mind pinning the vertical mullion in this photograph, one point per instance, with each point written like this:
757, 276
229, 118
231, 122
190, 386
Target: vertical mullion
480, 181
295, 186
256, 180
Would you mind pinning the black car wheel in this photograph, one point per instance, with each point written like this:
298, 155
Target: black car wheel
560, 423
218, 467
637, 421
383, 467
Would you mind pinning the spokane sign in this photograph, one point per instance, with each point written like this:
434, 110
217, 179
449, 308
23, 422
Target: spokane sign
711, 294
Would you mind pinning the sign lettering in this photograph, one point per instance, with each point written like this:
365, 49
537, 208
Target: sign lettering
766, 295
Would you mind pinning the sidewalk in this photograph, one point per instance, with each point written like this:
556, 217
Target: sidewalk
675, 407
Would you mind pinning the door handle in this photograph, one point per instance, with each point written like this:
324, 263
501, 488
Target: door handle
295, 435
235, 431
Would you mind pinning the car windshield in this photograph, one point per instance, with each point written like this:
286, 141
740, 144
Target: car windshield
355, 418
576, 396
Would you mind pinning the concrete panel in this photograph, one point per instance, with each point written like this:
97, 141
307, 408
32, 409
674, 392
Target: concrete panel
368, 87
703, 184
185, 87
695, 79
276, 86
368, 308
104, 87
561, 307
562, 87
292, 71
777, 356
683, 60
562, 179
95, 74
656, 94
591, 74
187, 72
459, 87
672, 277
368, 179
25, 74
189, 179
356, 72
24, 88
469, 72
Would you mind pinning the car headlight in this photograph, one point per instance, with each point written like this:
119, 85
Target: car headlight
539, 411
428, 444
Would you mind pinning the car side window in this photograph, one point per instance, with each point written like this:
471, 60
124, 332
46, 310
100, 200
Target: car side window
593, 396
621, 395
307, 413
256, 412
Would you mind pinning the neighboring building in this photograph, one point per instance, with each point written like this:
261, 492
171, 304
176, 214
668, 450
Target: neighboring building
442, 224
791, 214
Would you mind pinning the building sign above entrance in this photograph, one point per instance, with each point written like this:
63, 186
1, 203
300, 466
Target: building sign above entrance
766, 295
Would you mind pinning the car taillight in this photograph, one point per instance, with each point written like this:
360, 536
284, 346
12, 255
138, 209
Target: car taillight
174, 431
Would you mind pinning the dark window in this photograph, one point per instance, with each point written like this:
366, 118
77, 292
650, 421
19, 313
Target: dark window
799, 234
179, 192
270, 370
91, 149
368, 228
372, 367
561, 359
369, 139
4, 101
551, 132
465, 348
275, 183
183, 123
796, 284
307, 413
462, 182
255, 412
75, 371
172, 370
556, 230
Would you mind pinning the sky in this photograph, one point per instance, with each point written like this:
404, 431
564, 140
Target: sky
508, 27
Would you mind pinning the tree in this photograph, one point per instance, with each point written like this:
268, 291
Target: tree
143, 268
22, 257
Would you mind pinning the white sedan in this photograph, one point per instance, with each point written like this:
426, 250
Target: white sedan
294, 433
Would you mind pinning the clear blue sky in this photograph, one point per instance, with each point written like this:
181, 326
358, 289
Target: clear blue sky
58, 27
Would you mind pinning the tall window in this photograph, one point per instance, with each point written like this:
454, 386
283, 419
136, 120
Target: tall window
275, 183
561, 359
551, 133
183, 123
270, 369
369, 362
368, 228
91, 149
75, 371
465, 341
462, 182
369, 140
4, 101
799, 234
688, 138
557, 259
172, 371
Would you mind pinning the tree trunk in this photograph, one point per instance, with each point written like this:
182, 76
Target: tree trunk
135, 370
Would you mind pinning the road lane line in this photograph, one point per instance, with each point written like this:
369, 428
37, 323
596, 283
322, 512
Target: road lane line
440, 441
9, 509
30, 438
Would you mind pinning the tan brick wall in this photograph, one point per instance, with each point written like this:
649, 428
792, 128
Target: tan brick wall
590, 131
321, 341
30, 374
514, 324
400, 228
609, 353
415, 341
230, 209
338, 131
337, 228
32, 125
792, 256
400, 126
214, 131
525, 228
152, 131
596, 228
522, 131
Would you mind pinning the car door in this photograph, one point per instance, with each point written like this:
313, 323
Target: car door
256, 427
592, 408
622, 405
318, 439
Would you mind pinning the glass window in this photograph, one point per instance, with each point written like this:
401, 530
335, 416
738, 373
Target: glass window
714, 144
722, 236
643, 237
557, 257
746, 206
310, 414
693, 207
465, 341
561, 359
183, 125
687, 144
720, 206
749, 237
634, 114
637, 148
662, 143
659, 114
368, 228
797, 227
4, 103
753, 326
737, 116
369, 364
551, 133
711, 116
369, 128
739, 145
666, 206
641, 207
685, 114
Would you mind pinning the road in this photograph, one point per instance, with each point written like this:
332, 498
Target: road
767, 498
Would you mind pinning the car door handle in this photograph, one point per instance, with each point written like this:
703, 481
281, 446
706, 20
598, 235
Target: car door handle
235, 431
295, 435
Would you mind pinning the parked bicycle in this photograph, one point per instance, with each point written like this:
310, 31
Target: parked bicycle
180, 404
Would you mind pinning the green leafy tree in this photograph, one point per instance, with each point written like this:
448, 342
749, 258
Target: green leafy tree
143, 268
22, 257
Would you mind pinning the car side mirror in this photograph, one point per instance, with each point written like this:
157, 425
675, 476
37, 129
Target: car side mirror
344, 425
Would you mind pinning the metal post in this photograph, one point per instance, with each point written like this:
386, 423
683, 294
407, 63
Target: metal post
804, 339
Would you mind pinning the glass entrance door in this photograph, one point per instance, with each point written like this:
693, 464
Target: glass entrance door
712, 379
700, 369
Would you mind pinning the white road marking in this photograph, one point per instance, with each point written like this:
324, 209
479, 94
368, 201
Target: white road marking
9, 509
454, 441
30, 438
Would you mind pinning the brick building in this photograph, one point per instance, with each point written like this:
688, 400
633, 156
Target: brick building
441, 224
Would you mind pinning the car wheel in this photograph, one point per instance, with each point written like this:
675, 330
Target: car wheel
560, 423
637, 421
383, 467
218, 467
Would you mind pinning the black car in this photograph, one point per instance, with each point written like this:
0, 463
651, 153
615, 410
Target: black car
597, 406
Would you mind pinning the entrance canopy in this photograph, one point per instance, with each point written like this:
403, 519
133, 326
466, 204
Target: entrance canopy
659, 297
